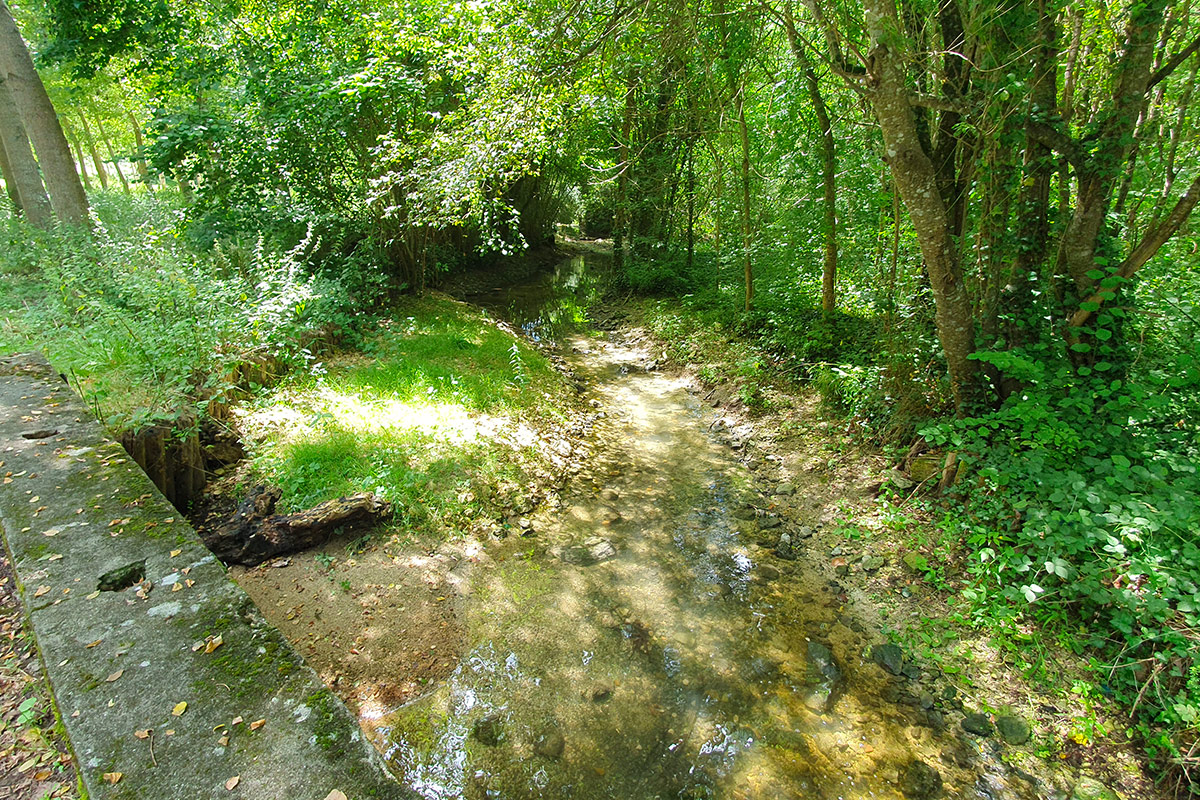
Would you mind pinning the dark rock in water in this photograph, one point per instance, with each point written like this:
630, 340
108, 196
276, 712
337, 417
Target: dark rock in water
745, 513
1092, 789
919, 781
926, 700
784, 548
890, 657
949, 693
768, 522
912, 672
762, 669
768, 572
824, 678
1013, 729
489, 730
549, 744
977, 724
935, 719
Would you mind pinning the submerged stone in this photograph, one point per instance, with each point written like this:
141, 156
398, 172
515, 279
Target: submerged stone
550, 744
919, 781
1013, 729
784, 548
824, 678
977, 724
890, 657
488, 730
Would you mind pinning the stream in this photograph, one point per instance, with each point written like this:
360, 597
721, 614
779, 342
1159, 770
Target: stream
646, 642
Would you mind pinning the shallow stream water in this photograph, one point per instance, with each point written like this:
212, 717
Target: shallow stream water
645, 641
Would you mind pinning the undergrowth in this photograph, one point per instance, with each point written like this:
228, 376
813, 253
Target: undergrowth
442, 413
142, 325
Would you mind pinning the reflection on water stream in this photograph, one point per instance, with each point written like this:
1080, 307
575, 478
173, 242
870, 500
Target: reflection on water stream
645, 643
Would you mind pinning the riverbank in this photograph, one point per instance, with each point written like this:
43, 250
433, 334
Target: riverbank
698, 560
870, 529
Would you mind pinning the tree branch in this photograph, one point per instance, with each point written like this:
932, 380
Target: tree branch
1063, 144
1173, 64
1154, 239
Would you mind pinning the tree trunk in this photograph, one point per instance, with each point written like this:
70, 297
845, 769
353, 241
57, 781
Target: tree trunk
257, 533
1077, 249
143, 170
22, 176
747, 227
916, 180
97, 162
828, 166
42, 125
10, 183
112, 154
82, 162
621, 212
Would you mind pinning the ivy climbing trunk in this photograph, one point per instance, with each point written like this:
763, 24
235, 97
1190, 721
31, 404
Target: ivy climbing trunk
917, 181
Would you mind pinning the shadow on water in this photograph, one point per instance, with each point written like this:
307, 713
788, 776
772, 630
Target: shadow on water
641, 645
555, 302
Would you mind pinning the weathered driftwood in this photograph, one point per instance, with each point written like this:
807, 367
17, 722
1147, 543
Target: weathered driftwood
256, 533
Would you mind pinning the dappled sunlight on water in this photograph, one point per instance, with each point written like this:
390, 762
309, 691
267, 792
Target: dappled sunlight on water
641, 646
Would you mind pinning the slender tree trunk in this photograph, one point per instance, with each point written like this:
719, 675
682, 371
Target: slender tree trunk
42, 125
916, 180
10, 182
79, 159
1066, 109
828, 166
22, 176
112, 154
143, 170
829, 185
621, 213
747, 225
97, 162
1177, 130
1077, 248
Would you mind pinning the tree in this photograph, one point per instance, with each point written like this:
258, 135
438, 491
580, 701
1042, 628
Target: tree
41, 123
20, 169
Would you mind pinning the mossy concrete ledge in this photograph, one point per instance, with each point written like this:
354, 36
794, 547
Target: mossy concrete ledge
168, 627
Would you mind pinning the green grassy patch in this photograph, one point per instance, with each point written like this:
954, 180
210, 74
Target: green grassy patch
442, 413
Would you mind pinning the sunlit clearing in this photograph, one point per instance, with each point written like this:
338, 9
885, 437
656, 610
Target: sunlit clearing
452, 423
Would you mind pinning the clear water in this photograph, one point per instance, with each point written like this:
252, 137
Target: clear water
673, 669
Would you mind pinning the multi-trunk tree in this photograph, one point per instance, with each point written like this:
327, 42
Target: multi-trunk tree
35, 114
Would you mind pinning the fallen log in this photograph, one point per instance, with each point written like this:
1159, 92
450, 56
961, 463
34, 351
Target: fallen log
256, 533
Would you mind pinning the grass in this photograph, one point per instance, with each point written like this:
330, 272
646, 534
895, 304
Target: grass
442, 413
140, 323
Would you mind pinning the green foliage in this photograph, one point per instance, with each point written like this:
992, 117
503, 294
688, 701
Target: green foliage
1082, 505
142, 325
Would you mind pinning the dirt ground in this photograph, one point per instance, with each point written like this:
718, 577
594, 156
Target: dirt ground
35, 763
